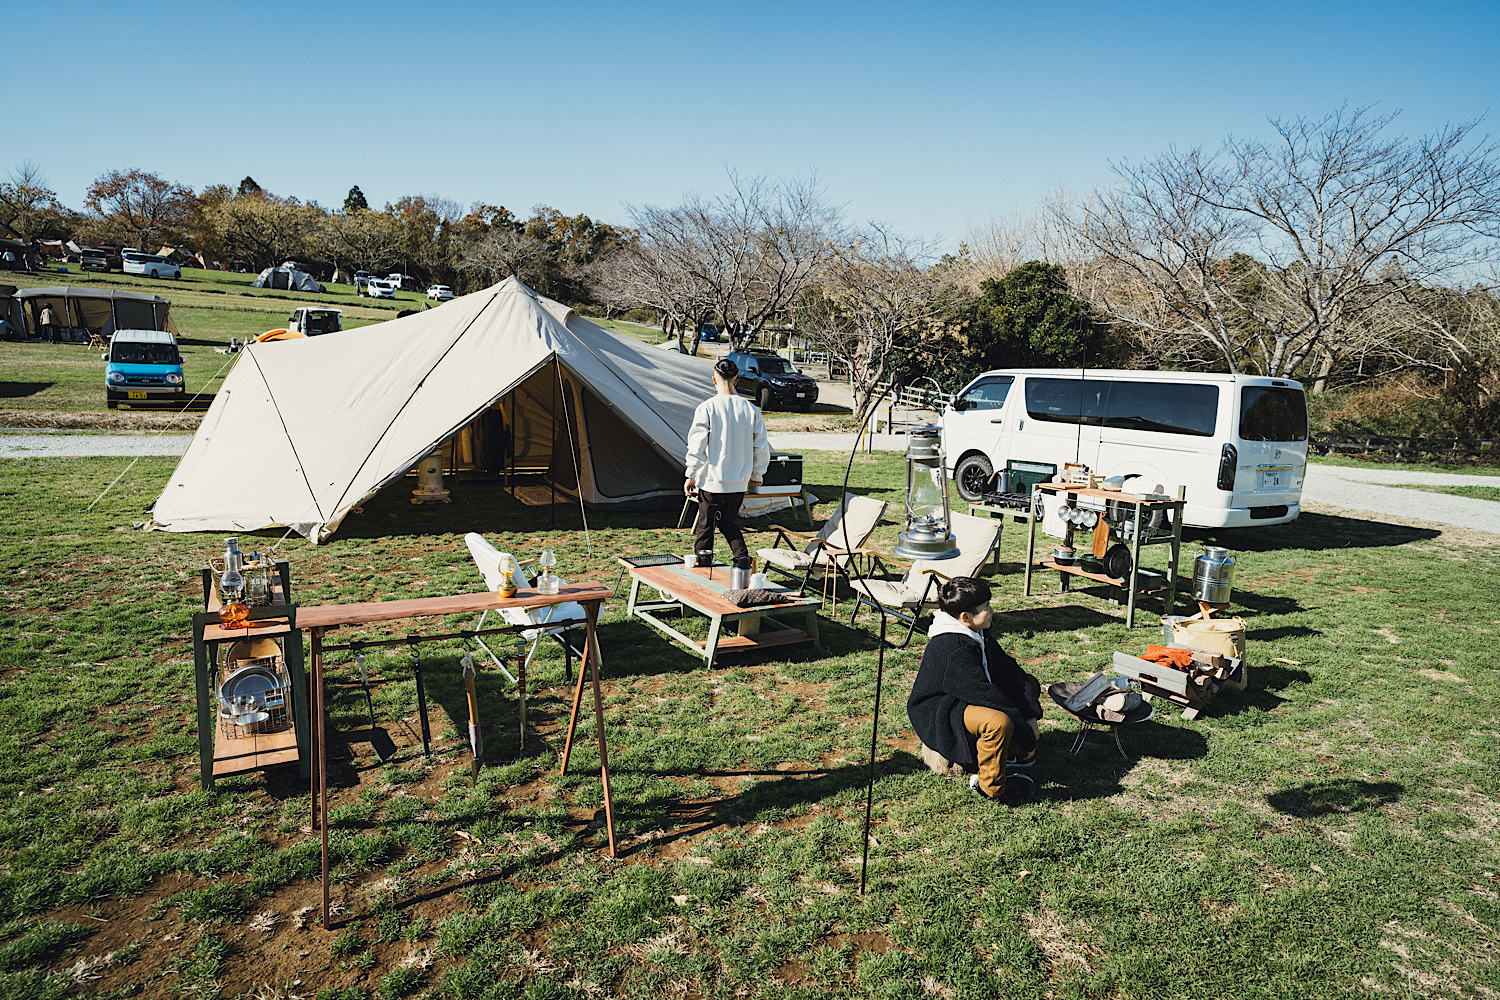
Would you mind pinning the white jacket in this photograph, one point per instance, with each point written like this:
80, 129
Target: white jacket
727, 445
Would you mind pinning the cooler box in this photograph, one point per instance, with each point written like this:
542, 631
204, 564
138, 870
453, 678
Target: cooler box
783, 476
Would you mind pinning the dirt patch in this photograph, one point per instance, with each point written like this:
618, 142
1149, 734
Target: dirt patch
112, 420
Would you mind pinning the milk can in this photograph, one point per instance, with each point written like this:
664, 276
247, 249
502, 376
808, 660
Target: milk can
1213, 575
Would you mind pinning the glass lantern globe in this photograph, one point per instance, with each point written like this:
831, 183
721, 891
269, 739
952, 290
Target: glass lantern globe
927, 534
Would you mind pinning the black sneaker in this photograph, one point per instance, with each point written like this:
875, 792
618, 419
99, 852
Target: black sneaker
1018, 788
1011, 765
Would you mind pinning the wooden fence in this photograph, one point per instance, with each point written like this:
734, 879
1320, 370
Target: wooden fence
1402, 449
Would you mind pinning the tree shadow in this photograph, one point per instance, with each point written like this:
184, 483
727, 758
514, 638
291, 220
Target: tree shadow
1064, 618
1336, 796
1313, 532
1267, 605
17, 390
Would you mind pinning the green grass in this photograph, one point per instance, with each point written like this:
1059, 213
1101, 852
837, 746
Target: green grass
1331, 832
1467, 468
1474, 492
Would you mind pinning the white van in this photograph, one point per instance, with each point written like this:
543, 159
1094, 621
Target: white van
150, 264
1238, 443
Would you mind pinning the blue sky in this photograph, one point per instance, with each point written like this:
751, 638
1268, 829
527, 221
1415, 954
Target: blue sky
931, 118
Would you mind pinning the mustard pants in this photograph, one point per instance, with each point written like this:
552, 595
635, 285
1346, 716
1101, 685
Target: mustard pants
993, 730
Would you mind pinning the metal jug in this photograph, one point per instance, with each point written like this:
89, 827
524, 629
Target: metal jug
739, 578
1213, 575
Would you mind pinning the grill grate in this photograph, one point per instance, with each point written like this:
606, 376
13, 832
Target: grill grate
658, 559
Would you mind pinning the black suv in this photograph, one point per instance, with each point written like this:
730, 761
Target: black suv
770, 379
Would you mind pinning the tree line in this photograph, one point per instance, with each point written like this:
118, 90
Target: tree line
1337, 251
248, 227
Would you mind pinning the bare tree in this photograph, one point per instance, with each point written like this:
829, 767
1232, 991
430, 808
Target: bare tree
1284, 254
264, 231
28, 207
146, 206
743, 257
503, 252
878, 295
370, 241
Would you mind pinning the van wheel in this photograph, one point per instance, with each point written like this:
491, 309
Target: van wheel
974, 477
765, 399
153, 274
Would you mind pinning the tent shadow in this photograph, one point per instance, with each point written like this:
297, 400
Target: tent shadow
1064, 618
18, 390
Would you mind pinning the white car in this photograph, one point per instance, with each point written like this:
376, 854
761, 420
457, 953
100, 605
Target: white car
440, 292
149, 264
380, 288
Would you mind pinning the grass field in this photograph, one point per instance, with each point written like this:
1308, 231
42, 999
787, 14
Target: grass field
1329, 833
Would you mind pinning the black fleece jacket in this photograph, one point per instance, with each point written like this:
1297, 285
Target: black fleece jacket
950, 679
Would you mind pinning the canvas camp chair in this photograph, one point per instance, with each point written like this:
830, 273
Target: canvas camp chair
917, 589
824, 553
487, 559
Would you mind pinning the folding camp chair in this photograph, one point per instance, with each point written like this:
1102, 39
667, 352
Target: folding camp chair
825, 553
487, 559
917, 589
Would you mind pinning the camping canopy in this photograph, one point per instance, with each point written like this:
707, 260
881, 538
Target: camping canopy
302, 431
99, 310
287, 277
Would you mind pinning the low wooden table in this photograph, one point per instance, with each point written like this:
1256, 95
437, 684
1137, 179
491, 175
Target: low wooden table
694, 589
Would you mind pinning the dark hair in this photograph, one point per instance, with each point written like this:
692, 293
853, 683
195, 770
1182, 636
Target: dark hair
727, 370
963, 593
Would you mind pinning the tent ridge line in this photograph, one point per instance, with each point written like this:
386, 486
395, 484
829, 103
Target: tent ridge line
402, 408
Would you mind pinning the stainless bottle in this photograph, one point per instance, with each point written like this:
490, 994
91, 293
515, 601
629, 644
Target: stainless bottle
1213, 575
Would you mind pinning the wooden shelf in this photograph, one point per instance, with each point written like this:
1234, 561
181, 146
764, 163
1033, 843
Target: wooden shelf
251, 753
1100, 577
760, 640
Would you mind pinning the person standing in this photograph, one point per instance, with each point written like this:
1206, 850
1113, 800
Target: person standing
48, 322
727, 453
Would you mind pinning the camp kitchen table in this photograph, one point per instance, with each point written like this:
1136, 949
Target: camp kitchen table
318, 620
1069, 494
691, 588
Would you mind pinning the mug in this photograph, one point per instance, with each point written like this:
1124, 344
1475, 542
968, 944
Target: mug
689, 561
758, 581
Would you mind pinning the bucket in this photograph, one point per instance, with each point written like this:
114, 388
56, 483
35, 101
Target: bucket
1225, 636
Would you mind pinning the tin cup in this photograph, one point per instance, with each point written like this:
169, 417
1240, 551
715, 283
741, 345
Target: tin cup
689, 561
758, 581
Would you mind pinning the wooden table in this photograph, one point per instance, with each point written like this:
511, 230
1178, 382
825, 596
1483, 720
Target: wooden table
1139, 507
319, 620
693, 589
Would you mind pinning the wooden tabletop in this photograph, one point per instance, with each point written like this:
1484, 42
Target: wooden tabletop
1124, 496
697, 588
333, 615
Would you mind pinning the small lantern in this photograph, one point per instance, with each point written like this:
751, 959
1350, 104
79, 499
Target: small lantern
927, 534
430, 479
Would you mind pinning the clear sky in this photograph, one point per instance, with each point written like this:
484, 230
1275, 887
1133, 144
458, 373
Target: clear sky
929, 117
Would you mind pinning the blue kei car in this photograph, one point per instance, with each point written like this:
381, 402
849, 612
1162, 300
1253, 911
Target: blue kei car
142, 366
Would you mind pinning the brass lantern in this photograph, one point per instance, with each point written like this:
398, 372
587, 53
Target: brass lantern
927, 534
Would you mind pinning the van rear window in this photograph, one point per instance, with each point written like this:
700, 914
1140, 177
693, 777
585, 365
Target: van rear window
1166, 407
1268, 413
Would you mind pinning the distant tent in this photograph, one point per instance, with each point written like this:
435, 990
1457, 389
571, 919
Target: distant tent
287, 277
81, 311
302, 431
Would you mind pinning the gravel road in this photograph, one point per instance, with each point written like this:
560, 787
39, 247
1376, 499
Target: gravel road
1377, 491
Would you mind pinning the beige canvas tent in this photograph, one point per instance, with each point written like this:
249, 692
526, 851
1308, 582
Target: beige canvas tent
303, 431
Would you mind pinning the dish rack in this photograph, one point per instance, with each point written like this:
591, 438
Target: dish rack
255, 689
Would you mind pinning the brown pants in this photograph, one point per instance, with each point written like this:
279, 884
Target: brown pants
994, 731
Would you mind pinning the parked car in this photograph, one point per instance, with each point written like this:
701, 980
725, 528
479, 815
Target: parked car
402, 281
708, 333
440, 292
141, 366
311, 321
380, 288
99, 259
149, 264
770, 379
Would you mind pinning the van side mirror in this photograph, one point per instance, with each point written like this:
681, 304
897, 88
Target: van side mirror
959, 405
104, 356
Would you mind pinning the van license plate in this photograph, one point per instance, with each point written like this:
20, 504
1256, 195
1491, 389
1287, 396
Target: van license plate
801, 395
135, 395
1275, 477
